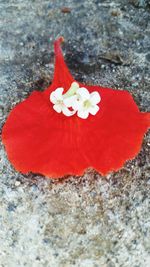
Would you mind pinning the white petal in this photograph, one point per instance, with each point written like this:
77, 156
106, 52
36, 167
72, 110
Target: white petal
57, 108
83, 93
68, 102
93, 109
74, 86
72, 90
53, 98
83, 114
77, 104
95, 97
67, 112
58, 93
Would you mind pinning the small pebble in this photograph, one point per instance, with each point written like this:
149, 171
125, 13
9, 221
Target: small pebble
115, 12
66, 10
17, 183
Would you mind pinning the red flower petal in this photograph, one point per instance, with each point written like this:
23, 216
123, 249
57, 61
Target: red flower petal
40, 140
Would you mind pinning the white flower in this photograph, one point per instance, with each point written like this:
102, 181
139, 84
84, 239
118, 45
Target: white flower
76, 98
56, 97
86, 103
72, 90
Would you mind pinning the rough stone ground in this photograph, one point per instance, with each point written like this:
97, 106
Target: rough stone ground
89, 221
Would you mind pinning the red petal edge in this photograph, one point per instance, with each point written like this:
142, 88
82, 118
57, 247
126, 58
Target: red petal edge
39, 140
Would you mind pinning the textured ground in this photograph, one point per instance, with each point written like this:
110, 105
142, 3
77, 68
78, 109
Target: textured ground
90, 221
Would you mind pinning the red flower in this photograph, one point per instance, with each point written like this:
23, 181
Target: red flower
40, 140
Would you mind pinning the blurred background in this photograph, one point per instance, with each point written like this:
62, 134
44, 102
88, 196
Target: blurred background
89, 221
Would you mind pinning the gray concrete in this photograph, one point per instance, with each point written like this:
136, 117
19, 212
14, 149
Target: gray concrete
90, 221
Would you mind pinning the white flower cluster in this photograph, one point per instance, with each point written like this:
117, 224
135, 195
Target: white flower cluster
76, 99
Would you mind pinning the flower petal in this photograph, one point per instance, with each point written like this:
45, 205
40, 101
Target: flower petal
74, 86
67, 112
38, 140
62, 75
77, 104
53, 98
83, 93
58, 93
93, 109
72, 90
95, 98
57, 108
83, 114
68, 102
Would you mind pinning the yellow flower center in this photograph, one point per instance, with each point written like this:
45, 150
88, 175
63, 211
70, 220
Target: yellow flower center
87, 104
